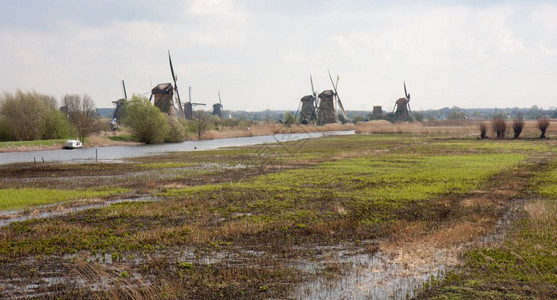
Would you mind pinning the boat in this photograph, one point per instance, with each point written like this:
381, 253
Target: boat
73, 144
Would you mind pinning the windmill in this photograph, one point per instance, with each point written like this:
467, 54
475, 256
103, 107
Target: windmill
309, 105
188, 107
329, 100
217, 108
402, 109
178, 101
118, 111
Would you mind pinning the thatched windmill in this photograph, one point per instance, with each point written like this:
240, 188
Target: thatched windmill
309, 104
402, 109
217, 108
329, 100
164, 95
163, 98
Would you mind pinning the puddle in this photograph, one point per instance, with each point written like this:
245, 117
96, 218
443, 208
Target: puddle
367, 276
514, 212
5, 218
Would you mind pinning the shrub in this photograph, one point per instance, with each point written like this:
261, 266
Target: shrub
146, 121
31, 116
499, 127
518, 124
483, 131
176, 131
543, 123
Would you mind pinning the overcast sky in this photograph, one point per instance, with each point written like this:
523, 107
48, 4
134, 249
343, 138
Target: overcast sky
260, 53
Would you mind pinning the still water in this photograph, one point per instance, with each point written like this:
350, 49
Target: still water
114, 153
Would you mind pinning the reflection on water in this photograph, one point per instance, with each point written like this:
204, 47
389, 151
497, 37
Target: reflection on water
116, 153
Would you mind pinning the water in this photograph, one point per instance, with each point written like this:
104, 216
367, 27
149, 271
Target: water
115, 153
6, 216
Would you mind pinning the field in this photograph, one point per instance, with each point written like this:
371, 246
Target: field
416, 214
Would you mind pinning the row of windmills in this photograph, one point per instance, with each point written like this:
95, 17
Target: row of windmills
321, 109
166, 98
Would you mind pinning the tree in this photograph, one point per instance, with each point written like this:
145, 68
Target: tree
542, 125
82, 115
518, 124
31, 116
146, 121
201, 122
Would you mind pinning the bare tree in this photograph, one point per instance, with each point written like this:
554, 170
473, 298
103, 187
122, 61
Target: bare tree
201, 122
81, 114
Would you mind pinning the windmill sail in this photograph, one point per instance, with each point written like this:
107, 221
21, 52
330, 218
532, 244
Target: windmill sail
337, 96
175, 86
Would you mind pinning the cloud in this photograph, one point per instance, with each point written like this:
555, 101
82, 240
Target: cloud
217, 8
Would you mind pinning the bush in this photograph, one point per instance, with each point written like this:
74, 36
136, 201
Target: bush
176, 131
483, 131
518, 124
5, 131
543, 124
146, 121
32, 116
499, 127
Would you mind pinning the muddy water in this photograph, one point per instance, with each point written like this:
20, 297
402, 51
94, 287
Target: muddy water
115, 153
378, 276
7, 217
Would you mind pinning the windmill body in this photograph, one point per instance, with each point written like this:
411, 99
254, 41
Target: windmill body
307, 114
217, 108
163, 98
327, 112
402, 109
377, 113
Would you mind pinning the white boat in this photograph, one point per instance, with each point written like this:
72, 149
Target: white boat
73, 144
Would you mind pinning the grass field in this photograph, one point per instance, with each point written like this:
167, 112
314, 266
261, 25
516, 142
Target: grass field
255, 222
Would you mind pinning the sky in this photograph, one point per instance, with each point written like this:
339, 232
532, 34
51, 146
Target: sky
260, 53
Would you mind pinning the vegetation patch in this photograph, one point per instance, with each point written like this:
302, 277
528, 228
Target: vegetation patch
12, 199
522, 267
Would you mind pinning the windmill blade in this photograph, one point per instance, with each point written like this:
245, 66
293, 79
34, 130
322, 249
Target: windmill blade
220, 101
124, 87
405, 92
189, 88
336, 85
174, 78
409, 110
342, 109
330, 77
394, 107
312, 88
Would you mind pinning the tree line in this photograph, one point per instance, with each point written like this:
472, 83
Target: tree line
26, 116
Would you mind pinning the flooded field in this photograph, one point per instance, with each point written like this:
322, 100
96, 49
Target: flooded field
339, 217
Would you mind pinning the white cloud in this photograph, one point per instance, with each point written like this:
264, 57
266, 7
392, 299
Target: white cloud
217, 8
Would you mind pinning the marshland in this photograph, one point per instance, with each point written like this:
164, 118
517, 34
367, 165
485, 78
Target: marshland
412, 211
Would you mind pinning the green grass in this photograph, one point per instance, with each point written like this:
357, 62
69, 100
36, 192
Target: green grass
32, 143
546, 182
369, 188
11, 199
123, 138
